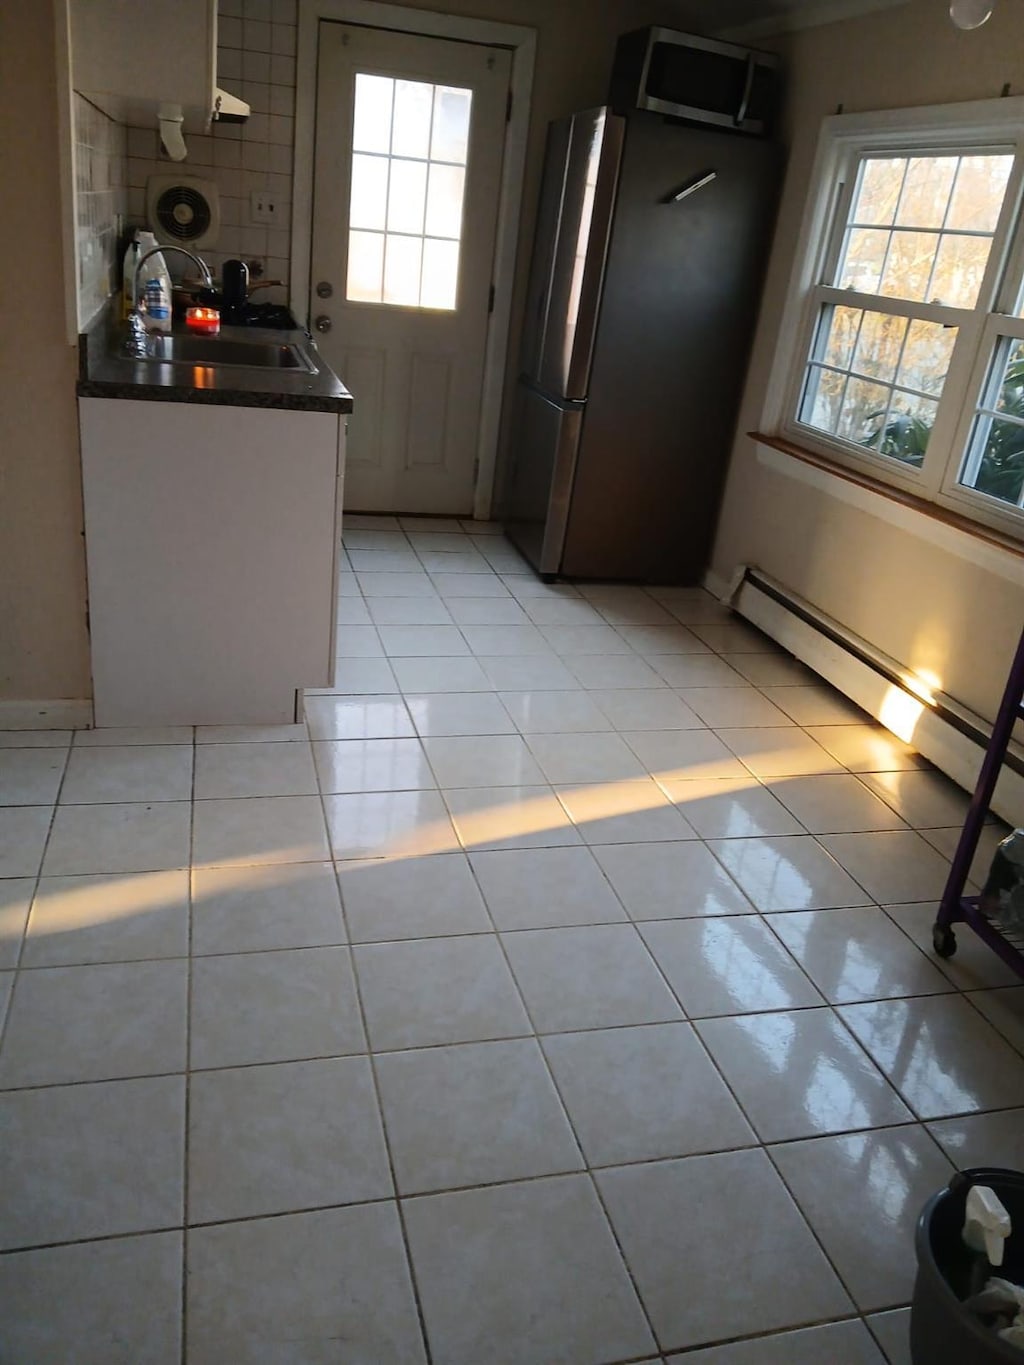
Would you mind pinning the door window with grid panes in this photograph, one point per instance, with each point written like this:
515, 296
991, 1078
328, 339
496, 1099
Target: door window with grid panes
910, 347
409, 146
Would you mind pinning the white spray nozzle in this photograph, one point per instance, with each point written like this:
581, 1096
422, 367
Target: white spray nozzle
986, 1223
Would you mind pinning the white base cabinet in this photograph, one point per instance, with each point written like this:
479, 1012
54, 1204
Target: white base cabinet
211, 539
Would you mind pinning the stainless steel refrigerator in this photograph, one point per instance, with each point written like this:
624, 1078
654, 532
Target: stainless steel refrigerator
644, 285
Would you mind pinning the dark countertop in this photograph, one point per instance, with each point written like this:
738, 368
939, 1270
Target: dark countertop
105, 372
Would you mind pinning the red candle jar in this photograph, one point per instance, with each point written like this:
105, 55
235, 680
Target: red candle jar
205, 321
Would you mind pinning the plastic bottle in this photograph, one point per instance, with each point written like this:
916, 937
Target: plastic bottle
1002, 896
158, 306
131, 260
154, 269
986, 1223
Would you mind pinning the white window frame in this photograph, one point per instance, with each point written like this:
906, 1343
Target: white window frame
976, 126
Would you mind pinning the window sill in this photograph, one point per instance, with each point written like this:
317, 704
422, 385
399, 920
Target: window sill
942, 516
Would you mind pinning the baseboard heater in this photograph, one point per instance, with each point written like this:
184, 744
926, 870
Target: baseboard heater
944, 731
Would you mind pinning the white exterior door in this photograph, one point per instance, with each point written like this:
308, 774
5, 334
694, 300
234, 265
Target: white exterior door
409, 142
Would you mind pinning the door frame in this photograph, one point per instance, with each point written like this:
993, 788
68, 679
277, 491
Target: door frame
522, 42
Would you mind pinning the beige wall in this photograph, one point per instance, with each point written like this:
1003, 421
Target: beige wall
43, 642
925, 606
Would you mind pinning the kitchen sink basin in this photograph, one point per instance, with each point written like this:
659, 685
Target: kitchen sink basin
217, 351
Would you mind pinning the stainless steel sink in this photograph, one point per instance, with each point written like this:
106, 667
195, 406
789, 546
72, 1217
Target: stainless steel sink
217, 351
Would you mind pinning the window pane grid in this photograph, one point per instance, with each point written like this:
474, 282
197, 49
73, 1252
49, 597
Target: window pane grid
913, 253
995, 454
891, 235
409, 148
426, 160
883, 418
902, 240
872, 380
918, 230
914, 313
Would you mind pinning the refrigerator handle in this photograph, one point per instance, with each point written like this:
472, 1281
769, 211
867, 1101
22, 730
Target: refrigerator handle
692, 187
748, 85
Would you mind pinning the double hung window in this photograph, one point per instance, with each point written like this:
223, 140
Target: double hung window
907, 312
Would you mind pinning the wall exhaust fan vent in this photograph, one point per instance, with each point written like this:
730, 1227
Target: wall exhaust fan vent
183, 209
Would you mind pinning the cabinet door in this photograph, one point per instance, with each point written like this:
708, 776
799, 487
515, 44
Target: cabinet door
211, 541
129, 56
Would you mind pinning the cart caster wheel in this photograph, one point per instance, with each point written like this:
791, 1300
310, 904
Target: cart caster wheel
943, 941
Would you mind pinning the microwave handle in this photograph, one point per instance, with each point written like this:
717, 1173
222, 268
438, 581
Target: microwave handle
748, 85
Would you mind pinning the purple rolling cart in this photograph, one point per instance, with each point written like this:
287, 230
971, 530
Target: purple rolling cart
955, 907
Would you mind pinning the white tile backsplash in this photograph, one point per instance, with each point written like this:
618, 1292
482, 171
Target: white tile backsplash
256, 156
255, 65
282, 100
229, 30
229, 63
226, 154
142, 142
281, 130
257, 95
282, 70
100, 201
255, 36
283, 40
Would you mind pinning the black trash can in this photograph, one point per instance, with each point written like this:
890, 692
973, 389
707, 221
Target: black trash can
941, 1333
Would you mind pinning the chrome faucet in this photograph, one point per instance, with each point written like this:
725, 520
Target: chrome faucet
136, 343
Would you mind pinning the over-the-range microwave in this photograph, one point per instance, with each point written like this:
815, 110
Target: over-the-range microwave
698, 79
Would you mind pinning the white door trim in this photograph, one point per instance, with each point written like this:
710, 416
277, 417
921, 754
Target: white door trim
67, 168
523, 43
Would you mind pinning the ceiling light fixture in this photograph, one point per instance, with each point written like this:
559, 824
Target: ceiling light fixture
970, 13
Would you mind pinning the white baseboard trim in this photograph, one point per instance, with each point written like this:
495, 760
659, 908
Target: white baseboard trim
865, 675
46, 715
716, 585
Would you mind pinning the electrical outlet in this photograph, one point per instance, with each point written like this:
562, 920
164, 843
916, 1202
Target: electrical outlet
263, 207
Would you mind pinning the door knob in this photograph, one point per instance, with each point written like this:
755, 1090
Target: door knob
322, 323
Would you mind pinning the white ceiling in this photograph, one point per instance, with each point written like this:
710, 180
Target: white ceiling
753, 17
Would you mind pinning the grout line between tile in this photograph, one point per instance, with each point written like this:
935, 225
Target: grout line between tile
1004, 1034
186, 1144
16, 970
808, 1224
776, 1334
400, 1213
88, 1241
568, 1116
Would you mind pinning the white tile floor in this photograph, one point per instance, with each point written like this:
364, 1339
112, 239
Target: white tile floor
628, 983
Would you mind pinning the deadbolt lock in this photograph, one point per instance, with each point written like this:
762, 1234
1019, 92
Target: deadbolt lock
324, 290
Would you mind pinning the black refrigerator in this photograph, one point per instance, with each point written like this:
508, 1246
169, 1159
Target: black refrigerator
649, 254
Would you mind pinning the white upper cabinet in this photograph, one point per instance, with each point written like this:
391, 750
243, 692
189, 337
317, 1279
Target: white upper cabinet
130, 56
